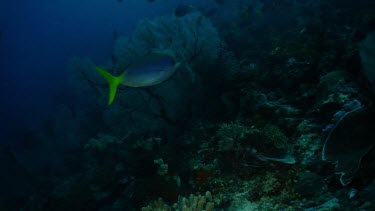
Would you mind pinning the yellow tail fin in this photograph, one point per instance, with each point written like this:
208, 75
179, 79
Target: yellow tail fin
113, 82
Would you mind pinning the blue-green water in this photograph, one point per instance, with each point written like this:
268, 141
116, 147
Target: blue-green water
261, 105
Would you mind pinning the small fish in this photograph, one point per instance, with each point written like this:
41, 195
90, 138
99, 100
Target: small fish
155, 69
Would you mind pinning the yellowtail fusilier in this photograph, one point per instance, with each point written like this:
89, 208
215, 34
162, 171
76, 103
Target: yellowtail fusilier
154, 69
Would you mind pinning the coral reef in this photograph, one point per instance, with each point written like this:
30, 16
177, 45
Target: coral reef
249, 117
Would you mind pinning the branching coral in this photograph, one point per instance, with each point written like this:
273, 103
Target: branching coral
195, 203
158, 205
229, 135
192, 203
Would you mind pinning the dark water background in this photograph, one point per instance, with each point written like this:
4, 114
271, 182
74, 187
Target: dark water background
40, 37
256, 118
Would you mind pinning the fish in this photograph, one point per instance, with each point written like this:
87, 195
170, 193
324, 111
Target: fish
154, 69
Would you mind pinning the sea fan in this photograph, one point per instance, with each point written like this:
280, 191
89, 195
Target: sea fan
192, 39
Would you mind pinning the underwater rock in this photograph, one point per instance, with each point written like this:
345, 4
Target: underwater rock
246, 149
332, 204
309, 145
309, 184
269, 139
335, 87
229, 135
